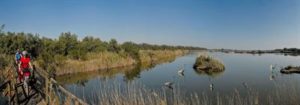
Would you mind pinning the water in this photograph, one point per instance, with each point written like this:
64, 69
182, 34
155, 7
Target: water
243, 71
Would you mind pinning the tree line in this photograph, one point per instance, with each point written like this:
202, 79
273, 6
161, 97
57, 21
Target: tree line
67, 45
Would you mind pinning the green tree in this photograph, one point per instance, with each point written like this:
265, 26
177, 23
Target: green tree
113, 46
91, 44
132, 49
66, 43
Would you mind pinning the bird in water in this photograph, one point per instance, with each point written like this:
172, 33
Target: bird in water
272, 67
245, 85
271, 77
181, 71
211, 87
181, 74
169, 84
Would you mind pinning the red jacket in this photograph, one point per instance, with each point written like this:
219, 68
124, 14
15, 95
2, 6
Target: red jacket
25, 62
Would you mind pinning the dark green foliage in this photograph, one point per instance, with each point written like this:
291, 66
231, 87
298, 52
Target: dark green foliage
66, 43
91, 44
132, 49
113, 46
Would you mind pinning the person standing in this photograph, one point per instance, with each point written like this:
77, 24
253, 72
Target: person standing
25, 68
18, 56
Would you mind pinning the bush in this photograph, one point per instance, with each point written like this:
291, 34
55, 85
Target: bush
4, 61
132, 49
208, 63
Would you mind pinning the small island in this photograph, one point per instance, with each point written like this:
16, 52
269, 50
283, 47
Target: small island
290, 69
208, 64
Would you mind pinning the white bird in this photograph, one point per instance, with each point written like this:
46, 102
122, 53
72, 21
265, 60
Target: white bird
211, 87
245, 85
181, 71
272, 67
169, 84
182, 75
272, 77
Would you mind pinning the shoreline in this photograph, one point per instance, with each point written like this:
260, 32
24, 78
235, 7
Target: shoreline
286, 51
106, 61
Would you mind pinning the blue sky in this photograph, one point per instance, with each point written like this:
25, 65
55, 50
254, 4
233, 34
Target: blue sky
238, 24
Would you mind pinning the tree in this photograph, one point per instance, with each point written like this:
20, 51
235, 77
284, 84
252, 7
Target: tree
66, 43
91, 44
113, 46
132, 49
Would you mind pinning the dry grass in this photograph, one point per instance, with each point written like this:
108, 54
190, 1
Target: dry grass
6, 64
156, 55
208, 63
109, 60
96, 61
139, 95
111, 73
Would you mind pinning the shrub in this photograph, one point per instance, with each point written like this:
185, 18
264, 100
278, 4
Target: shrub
208, 63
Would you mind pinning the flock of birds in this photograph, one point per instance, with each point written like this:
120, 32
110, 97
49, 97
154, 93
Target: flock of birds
273, 69
181, 73
211, 86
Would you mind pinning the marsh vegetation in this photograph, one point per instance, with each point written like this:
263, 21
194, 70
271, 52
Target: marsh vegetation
247, 80
207, 63
66, 52
137, 94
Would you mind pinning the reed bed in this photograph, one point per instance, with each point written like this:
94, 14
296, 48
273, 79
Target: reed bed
96, 61
137, 94
156, 55
109, 60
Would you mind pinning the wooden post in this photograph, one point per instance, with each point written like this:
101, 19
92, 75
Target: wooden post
50, 90
76, 102
9, 91
46, 91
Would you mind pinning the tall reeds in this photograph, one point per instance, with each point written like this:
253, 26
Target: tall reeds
109, 60
136, 94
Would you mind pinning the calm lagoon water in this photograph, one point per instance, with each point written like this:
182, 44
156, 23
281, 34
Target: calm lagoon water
243, 71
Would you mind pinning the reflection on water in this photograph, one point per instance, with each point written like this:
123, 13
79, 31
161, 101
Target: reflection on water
291, 54
243, 72
211, 74
130, 73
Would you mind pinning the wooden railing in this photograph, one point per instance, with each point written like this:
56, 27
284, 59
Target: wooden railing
46, 86
52, 88
7, 85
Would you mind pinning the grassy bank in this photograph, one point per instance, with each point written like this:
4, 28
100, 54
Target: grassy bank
95, 61
109, 60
